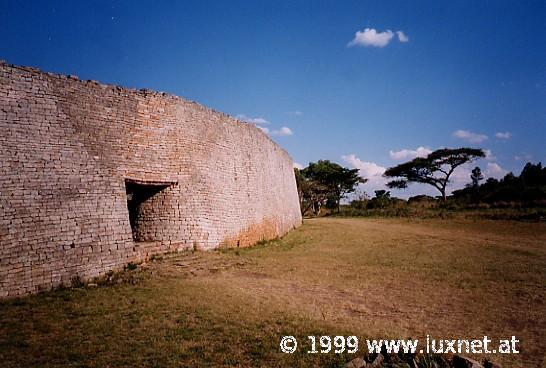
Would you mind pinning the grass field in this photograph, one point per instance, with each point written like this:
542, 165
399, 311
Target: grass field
376, 278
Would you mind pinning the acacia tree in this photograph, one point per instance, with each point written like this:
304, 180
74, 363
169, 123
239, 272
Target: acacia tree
323, 182
435, 169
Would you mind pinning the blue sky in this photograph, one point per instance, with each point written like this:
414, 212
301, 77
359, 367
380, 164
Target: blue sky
459, 73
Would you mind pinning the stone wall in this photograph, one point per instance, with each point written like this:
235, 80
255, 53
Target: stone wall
68, 148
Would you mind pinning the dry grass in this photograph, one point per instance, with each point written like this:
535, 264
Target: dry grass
371, 278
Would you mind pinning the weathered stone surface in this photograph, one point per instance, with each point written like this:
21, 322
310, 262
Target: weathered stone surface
460, 361
67, 148
356, 363
488, 364
377, 361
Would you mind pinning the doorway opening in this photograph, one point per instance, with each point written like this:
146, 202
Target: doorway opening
147, 204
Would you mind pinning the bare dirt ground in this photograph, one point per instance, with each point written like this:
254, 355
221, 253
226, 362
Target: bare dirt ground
373, 278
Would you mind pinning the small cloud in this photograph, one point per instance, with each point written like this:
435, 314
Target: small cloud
461, 176
298, 166
295, 113
503, 135
368, 170
406, 154
284, 131
402, 37
247, 119
470, 136
489, 155
523, 157
260, 122
370, 37
494, 170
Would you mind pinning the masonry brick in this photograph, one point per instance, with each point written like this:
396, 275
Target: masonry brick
70, 149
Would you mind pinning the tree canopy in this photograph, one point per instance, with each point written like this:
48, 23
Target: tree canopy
325, 182
476, 176
434, 169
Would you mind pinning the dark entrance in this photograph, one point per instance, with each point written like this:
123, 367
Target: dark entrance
144, 202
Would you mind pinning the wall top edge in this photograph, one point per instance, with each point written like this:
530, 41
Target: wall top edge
143, 92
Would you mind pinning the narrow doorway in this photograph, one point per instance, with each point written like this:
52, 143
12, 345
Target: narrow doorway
145, 202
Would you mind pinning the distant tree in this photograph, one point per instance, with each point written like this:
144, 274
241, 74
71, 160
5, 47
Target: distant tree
301, 185
361, 195
323, 182
382, 199
382, 194
476, 177
360, 200
533, 175
312, 194
435, 169
528, 187
490, 185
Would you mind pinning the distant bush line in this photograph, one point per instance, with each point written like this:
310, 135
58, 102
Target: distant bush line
513, 197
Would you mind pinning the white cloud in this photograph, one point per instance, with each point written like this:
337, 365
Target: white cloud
406, 154
470, 136
402, 37
257, 121
523, 157
295, 113
298, 166
461, 175
503, 135
367, 170
489, 155
494, 170
284, 131
370, 37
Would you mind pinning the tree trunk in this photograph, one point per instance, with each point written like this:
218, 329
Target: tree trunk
314, 208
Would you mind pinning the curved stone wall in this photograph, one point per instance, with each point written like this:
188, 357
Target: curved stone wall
70, 152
